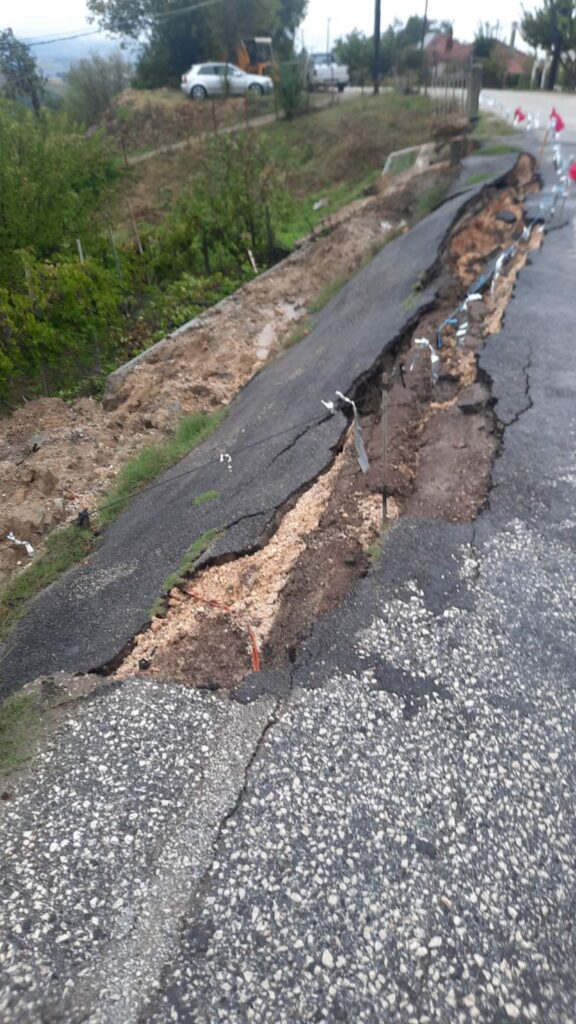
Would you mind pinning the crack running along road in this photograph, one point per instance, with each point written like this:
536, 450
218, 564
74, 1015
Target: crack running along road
89, 615
401, 839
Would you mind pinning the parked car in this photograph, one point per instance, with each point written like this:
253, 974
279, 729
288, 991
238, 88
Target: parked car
203, 80
324, 72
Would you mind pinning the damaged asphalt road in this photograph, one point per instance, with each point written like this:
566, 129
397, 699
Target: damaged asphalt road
85, 619
389, 835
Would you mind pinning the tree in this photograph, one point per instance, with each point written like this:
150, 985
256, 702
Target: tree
356, 51
552, 27
20, 78
92, 84
175, 39
51, 184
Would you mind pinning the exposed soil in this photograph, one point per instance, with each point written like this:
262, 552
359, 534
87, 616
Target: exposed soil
442, 440
58, 458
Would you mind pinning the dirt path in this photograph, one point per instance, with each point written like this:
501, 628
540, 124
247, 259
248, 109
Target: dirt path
170, 147
320, 103
58, 458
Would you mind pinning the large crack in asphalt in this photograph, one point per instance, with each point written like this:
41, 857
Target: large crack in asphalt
207, 648
119, 967
91, 613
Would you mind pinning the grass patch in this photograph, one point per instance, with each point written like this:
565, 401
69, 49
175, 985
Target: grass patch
64, 548
475, 179
150, 462
201, 499
498, 149
61, 550
430, 199
18, 716
328, 292
489, 124
159, 608
322, 154
298, 334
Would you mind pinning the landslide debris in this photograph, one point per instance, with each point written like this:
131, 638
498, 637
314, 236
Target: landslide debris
57, 458
441, 442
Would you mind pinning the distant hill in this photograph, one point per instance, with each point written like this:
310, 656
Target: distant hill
54, 59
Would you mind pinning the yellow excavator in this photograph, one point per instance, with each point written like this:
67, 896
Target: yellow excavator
255, 55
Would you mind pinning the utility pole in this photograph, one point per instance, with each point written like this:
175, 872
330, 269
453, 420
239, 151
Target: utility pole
422, 41
376, 75
424, 25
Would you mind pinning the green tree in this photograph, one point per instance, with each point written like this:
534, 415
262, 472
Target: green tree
236, 201
51, 182
58, 324
356, 51
92, 84
553, 28
20, 78
176, 39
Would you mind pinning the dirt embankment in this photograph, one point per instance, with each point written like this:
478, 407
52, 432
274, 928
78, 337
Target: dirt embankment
441, 442
58, 458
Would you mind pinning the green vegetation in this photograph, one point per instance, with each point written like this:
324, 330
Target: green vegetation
488, 149
292, 87
310, 150
475, 179
552, 27
74, 301
193, 553
399, 49
328, 292
169, 45
206, 496
20, 77
153, 460
18, 719
65, 547
61, 549
92, 84
301, 331
430, 199
488, 125
77, 297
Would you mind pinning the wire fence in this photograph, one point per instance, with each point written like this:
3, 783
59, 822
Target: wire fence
449, 93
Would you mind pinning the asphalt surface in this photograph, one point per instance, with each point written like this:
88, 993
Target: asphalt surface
87, 617
388, 835
532, 101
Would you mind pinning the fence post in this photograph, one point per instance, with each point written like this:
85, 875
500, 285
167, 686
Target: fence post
474, 86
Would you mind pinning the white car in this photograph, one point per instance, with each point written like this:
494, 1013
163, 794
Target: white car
203, 80
324, 72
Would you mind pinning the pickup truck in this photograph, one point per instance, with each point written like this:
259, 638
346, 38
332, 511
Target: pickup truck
324, 72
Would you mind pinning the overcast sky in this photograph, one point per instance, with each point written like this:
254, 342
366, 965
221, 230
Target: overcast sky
31, 18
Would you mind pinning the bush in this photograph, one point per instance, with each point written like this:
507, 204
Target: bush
236, 202
59, 325
51, 182
291, 87
92, 84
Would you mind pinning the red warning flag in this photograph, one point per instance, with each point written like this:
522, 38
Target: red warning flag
556, 121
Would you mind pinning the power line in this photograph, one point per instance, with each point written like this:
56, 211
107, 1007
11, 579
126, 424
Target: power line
65, 39
35, 41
